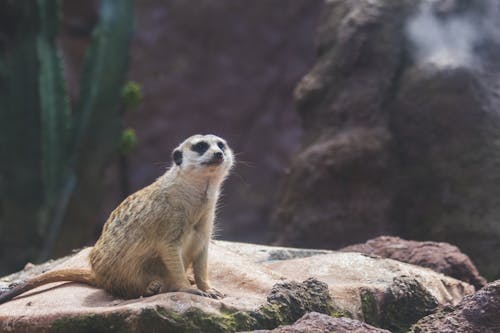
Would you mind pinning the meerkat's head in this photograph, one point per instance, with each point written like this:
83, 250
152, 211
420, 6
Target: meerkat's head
204, 154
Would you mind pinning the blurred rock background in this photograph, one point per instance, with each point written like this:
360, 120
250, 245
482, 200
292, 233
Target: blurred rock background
402, 129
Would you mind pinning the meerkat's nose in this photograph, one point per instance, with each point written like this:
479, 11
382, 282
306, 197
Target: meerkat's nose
218, 156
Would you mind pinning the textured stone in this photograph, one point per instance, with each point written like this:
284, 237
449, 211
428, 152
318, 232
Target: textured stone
261, 293
391, 296
400, 138
475, 313
314, 322
440, 257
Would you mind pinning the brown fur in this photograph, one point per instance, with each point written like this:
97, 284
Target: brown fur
154, 235
74, 275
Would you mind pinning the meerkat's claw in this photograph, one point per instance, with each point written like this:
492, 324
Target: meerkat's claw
14, 284
196, 292
214, 293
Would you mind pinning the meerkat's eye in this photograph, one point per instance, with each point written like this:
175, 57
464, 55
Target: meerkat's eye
201, 147
221, 145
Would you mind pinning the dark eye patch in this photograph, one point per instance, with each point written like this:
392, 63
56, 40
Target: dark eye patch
221, 145
201, 147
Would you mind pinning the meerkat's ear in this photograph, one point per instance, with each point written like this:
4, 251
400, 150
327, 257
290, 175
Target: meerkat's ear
177, 157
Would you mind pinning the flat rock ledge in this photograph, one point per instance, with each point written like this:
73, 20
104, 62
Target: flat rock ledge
265, 287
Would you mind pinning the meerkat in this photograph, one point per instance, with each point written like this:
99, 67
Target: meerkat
157, 233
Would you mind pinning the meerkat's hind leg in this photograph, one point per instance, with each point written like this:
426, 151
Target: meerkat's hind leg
155, 287
152, 276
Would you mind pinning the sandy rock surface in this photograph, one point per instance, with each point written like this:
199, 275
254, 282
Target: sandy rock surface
265, 287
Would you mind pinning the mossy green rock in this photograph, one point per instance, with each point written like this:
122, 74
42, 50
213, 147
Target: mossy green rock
261, 293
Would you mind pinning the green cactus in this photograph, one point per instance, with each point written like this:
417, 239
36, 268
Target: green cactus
54, 114
132, 96
128, 141
52, 157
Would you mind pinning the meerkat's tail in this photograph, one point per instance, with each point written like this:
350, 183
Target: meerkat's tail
74, 275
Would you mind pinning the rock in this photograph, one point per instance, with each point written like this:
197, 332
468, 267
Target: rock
402, 129
475, 313
314, 322
340, 185
265, 287
388, 300
440, 257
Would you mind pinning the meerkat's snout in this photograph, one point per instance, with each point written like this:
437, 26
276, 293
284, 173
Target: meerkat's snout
217, 159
